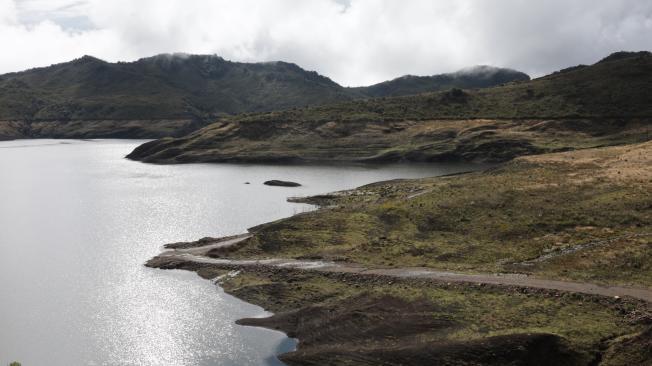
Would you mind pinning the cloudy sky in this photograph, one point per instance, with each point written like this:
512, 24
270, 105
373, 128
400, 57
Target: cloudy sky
354, 42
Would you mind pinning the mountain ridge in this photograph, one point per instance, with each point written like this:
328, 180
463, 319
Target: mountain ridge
606, 103
182, 87
479, 76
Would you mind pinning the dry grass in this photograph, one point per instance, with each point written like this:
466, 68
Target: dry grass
572, 207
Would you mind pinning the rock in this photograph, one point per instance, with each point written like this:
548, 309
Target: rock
281, 183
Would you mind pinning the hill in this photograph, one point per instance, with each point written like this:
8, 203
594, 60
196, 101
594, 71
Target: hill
469, 78
607, 103
164, 95
516, 250
163, 86
156, 96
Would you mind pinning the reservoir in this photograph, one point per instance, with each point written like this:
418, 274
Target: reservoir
77, 222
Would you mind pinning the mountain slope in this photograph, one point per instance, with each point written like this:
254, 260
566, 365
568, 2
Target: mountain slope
167, 95
607, 103
164, 86
474, 77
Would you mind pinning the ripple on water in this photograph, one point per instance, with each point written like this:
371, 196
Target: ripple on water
77, 222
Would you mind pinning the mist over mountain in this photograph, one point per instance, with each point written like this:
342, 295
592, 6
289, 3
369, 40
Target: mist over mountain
469, 78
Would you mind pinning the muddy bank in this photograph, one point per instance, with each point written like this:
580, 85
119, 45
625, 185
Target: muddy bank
385, 330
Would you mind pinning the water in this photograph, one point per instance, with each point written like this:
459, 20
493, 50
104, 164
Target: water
77, 221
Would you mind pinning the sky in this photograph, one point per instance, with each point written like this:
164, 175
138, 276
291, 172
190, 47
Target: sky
354, 42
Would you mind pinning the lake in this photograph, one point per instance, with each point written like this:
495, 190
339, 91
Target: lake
77, 222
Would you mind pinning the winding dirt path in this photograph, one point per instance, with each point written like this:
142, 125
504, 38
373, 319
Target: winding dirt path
198, 255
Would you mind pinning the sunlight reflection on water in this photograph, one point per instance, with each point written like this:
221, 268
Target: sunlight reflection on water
78, 221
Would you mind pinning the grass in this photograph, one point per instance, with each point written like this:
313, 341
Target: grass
581, 215
472, 313
603, 104
589, 211
380, 141
159, 87
188, 87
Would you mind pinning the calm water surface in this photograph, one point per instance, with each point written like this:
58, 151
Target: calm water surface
77, 221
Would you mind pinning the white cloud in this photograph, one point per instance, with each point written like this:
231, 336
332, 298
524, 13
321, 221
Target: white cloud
354, 42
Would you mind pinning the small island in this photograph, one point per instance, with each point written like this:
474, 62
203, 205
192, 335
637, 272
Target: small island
281, 183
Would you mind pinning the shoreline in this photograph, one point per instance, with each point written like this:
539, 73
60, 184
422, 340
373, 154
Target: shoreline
345, 303
637, 310
196, 256
192, 256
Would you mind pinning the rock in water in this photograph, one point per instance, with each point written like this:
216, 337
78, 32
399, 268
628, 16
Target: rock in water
281, 183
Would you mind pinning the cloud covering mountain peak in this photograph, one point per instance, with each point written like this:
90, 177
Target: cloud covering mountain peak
355, 42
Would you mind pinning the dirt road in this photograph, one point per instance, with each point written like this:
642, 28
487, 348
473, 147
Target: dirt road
198, 255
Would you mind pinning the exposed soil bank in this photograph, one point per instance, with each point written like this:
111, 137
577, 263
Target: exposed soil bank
343, 317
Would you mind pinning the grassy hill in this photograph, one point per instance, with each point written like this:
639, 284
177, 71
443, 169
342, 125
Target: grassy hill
607, 103
170, 95
163, 86
580, 215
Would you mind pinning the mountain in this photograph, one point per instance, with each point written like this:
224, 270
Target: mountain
163, 86
152, 97
607, 103
168, 95
469, 78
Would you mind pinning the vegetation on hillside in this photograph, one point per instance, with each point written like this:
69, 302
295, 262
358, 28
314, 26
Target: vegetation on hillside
606, 103
186, 86
346, 320
159, 87
615, 87
582, 215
